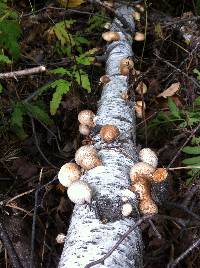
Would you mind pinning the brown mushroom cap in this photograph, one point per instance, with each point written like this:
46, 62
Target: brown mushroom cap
86, 157
142, 187
86, 118
160, 175
69, 173
104, 79
80, 192
109, 133
111, 36
126, 65
136, 15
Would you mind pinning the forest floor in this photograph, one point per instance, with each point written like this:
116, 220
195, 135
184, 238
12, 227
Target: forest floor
39, 126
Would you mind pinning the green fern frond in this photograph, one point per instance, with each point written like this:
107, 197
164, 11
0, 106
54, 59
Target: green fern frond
83, 80
62, 87
4, 59
38, 113
16, 122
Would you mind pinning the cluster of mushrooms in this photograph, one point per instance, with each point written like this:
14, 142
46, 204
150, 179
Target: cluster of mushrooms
86, 158
142, 174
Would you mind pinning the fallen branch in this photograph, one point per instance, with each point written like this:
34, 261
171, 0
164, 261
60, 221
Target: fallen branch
15, 74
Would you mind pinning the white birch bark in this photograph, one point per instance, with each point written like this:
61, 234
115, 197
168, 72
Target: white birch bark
88, 239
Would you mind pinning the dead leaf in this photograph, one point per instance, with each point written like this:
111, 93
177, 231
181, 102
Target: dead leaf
170, 91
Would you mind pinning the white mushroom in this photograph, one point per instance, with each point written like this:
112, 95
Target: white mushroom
80, 192
148, 156
86, 117
86, 157
69, 173
127, 209
84, 130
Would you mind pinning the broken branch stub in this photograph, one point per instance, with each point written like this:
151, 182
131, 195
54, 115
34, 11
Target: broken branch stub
95, 228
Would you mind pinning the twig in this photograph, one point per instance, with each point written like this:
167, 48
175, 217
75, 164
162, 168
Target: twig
187, 140
155, 229
178, 70
101, 260
14, 74
13, 257
34, 221
187, 167
19, 195
37, 143
184, 254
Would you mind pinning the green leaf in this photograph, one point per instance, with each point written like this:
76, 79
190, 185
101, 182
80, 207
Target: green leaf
4, 59
61, 70
173, 108
1, 88
38, 113
197, 101
197, 72
195, 141
16, 122
191, 150
192, 161
83, 80
62, 87
9, 35
61, 32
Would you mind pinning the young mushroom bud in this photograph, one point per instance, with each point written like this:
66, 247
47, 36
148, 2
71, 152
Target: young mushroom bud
111, 36
141, 169
127, 209
84, 130
80, 192
148, 206
104, 79
160, 175
141, 88
148, 156
86, 117
126, 65
69, 173
140, 107
136, 15
109, 133
139, 36
86, 157
60, 238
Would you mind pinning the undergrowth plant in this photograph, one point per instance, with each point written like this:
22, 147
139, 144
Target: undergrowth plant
185, 119
67, 44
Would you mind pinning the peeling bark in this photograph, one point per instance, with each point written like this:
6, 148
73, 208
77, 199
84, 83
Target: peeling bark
95, 229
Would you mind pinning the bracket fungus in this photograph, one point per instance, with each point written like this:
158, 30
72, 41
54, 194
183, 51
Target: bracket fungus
109, 133
80, 192
69, 173
84, 130
148, 156
111, 36
86, 157
86, 117
126, 65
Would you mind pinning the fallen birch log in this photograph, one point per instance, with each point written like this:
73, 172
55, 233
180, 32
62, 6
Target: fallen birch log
96, 228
